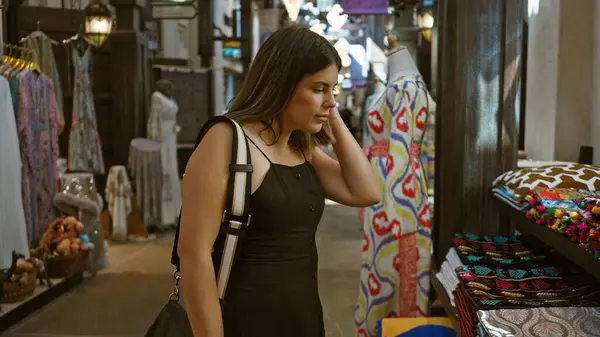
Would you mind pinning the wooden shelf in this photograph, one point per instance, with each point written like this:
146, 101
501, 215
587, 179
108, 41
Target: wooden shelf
443, 297
559, 243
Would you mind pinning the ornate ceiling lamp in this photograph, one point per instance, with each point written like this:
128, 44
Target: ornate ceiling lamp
98, 22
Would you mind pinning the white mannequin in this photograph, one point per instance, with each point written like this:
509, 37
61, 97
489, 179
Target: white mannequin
379, 89
162, 127
400, 63
399, 117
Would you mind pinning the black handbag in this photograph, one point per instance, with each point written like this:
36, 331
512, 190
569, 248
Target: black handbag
172, 321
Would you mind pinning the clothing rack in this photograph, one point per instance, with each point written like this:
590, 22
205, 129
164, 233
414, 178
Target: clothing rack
24, 57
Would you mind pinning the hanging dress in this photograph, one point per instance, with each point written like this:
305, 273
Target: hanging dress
85, 149
118, 193
396, 247
37, 125
163, 128
13, 231
43, 55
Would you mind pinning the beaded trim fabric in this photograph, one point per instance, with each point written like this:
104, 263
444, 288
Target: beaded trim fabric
542, 322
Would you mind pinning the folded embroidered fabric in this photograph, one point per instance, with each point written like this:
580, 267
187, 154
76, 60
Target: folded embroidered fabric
453, 259
448, 279
495, 250
509, 197
546, 322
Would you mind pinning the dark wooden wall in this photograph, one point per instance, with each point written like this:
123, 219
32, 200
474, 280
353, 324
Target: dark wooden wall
476, 129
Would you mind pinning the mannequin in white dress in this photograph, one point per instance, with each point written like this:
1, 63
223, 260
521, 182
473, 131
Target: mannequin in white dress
13, 232
163, 128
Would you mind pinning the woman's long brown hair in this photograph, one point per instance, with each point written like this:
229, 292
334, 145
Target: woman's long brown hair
282, 61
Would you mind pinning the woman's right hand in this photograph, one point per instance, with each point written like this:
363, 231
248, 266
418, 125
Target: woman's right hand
204, 194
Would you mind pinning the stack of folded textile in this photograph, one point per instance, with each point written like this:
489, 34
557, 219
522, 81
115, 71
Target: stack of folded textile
447, 275
509, 197
502, 273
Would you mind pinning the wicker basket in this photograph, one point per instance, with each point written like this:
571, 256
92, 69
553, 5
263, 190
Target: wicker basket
15, 292
66, 266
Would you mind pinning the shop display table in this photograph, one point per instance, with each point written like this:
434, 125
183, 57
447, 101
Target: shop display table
145, 167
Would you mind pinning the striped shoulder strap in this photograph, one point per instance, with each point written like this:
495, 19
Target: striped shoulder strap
236, 216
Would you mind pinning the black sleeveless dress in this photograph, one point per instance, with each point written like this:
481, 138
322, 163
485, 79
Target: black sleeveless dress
273, 290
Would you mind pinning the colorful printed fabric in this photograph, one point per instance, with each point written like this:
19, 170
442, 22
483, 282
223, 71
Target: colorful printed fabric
395, 270
428, 152
417, 327
541, 322
573, 218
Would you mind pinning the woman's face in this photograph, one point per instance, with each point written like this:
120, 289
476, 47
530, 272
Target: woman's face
311, 102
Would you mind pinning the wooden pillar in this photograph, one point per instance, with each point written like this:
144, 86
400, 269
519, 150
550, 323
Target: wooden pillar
130, 78
2, 26
478, 104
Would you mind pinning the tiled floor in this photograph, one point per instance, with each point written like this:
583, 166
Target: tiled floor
123, 300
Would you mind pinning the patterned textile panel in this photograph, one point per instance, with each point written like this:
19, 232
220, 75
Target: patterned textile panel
466, 313
496, 250
533, 288
542, 322
577, 176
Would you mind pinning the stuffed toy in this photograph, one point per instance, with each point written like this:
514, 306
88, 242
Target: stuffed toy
64, 237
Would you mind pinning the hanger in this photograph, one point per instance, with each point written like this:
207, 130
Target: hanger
39, 32
79, 40
6, 53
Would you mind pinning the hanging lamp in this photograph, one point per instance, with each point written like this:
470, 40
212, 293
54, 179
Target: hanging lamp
98, 22
426, 22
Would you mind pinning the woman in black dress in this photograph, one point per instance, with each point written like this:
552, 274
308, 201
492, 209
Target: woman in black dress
287, 108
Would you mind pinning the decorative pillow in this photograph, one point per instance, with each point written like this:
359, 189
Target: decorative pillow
577, 176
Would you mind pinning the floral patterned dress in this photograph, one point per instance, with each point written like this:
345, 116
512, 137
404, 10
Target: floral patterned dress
37, 127
85, 149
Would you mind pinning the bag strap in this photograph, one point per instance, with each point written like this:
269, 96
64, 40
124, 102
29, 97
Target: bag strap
237, 207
